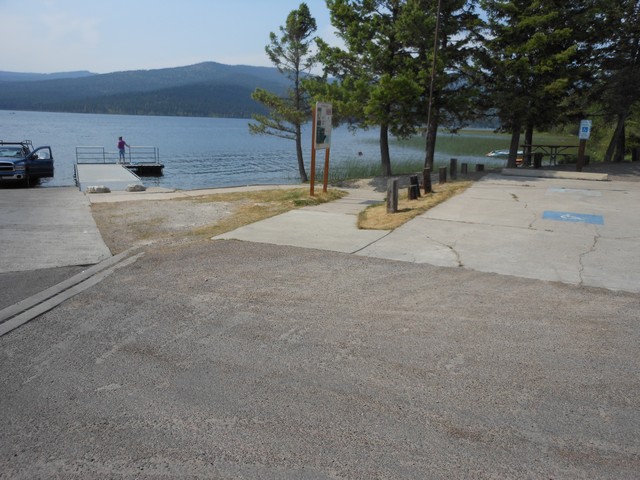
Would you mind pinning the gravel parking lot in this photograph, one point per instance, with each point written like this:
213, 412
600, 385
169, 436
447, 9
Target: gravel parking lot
238, 360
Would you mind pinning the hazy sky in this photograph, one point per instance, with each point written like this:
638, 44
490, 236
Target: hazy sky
102, 36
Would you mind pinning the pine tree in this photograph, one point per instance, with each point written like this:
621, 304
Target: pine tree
448, 89
292, 54
617, 66
528, 57
375, 86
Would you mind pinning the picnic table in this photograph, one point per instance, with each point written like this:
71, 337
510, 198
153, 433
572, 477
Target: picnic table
552, 151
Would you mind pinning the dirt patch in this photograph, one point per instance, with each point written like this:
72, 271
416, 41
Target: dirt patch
127, 224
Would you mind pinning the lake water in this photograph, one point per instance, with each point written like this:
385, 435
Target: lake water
196, 152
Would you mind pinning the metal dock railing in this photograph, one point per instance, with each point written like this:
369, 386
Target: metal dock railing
141, 160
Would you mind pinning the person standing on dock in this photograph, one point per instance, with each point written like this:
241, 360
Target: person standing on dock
121, 145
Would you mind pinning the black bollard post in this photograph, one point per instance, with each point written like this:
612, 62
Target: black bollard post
392, 195
464, 168
537, 160
414, 187
426, 177
453, 168
442, 175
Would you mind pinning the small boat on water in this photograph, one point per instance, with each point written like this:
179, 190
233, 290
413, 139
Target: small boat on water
503, 153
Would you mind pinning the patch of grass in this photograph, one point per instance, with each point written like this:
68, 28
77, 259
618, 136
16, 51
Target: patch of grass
356, 169
377, 218
477, 142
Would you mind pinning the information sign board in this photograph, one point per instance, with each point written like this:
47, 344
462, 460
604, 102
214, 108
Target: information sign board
322, 135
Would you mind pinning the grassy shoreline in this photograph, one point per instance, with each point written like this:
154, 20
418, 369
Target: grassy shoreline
469, 145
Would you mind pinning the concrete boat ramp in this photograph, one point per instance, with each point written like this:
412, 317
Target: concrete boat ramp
115, 177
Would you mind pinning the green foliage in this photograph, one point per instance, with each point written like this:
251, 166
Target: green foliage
529, 53
374, 86
615, 63
279, 121
442, 45
383, 74
292, 56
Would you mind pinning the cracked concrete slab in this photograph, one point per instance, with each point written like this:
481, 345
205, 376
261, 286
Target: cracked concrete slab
497, 226
522, 252
613, 263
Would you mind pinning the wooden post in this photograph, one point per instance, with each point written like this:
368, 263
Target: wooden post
312, 177
526, 160
479, 167
453, 168
426, 177
635, 154
325, 180
414, 187
537, 160
392, 195
464, 168
581, 149
442, 175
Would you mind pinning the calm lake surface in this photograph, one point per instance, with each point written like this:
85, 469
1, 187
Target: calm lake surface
196, 152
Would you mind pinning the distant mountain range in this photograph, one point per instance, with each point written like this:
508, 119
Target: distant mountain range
30, 77
205, 90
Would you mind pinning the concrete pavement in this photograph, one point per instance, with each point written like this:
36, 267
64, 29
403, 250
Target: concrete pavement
575, 229
567, 227
241, 360
330, 226
44, 228
233, 359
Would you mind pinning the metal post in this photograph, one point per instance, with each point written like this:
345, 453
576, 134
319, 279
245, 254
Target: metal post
581, 149
433, 74
312, 176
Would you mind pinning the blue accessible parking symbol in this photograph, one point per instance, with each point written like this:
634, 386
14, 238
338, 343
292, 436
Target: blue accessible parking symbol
573, 217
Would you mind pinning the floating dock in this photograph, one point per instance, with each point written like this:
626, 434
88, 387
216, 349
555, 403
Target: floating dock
96, 166
145, 169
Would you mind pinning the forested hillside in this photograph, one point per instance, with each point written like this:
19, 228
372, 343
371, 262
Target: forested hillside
206, 89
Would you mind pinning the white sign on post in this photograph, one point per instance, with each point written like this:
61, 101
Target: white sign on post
585, 130
322, 135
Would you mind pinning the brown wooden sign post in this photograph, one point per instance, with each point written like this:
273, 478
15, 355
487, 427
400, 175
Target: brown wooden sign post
321, 140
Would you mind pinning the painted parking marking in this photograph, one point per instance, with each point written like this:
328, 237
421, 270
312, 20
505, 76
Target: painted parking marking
573, 217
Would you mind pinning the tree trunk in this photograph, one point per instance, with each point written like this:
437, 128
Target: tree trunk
515, 143
385, 158
303, 173
430, 146
615, 139
620, 147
